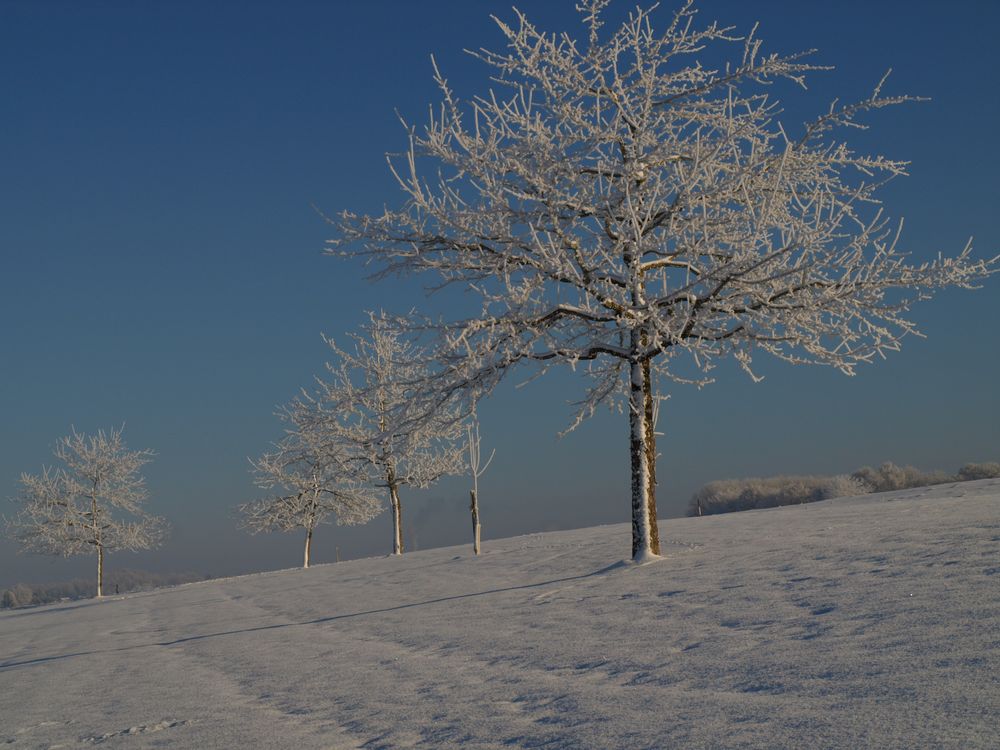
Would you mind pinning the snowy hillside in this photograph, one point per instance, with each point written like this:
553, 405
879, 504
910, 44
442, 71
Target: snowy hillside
862, 622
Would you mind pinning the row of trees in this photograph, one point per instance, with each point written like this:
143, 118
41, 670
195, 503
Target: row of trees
363, 434
617, 204
359, 436
346, 445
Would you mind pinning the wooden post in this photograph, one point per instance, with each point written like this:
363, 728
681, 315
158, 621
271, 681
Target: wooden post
474, 507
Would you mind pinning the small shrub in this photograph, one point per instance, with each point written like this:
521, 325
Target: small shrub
889, 477
18, 596
972, 472
730, 495
844, 485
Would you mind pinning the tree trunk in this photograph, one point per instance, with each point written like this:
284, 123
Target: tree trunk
474, 507
647, 394
397, 520
309, 541
96, 526
645, 539
100, 571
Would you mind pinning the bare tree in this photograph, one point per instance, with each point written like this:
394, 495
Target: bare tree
476, 470
315, 479
369, 405
74, 509
622, 205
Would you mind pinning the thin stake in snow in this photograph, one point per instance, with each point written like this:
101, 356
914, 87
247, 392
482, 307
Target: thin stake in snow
473, 443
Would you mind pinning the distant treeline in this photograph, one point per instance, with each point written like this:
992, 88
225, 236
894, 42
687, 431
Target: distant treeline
117, 581
728, 495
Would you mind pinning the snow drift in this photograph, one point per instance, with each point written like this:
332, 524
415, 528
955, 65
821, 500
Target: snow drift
871, 621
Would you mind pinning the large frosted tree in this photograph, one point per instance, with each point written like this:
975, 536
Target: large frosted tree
92, 504
368, 405
311, 478
634, 203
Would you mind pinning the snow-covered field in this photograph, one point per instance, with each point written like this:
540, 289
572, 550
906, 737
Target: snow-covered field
862, 622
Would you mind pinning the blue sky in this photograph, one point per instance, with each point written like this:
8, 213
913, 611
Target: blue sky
162, 259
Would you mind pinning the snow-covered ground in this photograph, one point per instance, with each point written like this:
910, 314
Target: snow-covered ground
862, 622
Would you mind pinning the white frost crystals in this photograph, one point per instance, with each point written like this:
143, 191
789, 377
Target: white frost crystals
620, 204
315, 478
78, 508
369, 406
366, 429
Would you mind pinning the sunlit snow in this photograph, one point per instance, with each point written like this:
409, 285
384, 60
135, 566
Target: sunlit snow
861, 622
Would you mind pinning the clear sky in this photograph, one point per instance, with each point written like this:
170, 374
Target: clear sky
162, 260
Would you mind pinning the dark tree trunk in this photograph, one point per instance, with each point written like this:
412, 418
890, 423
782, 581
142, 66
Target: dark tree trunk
474, 507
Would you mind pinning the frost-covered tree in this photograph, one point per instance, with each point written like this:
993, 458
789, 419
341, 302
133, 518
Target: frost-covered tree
477, 468
635, 203
368, 405
312, 478
92, 504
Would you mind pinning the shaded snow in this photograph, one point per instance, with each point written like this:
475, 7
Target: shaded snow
860, 622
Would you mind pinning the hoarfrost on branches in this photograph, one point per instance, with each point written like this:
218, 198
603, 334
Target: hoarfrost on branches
74, 509
619, 205
315, 478
370, 404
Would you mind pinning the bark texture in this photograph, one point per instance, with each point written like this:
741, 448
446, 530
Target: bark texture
474, 507
308, 550
100, 571
647, 395
397, 520
645, 539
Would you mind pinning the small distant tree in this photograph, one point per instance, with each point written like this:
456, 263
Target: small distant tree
633, 204
369, 406
476, 470
314, 479
93, 503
